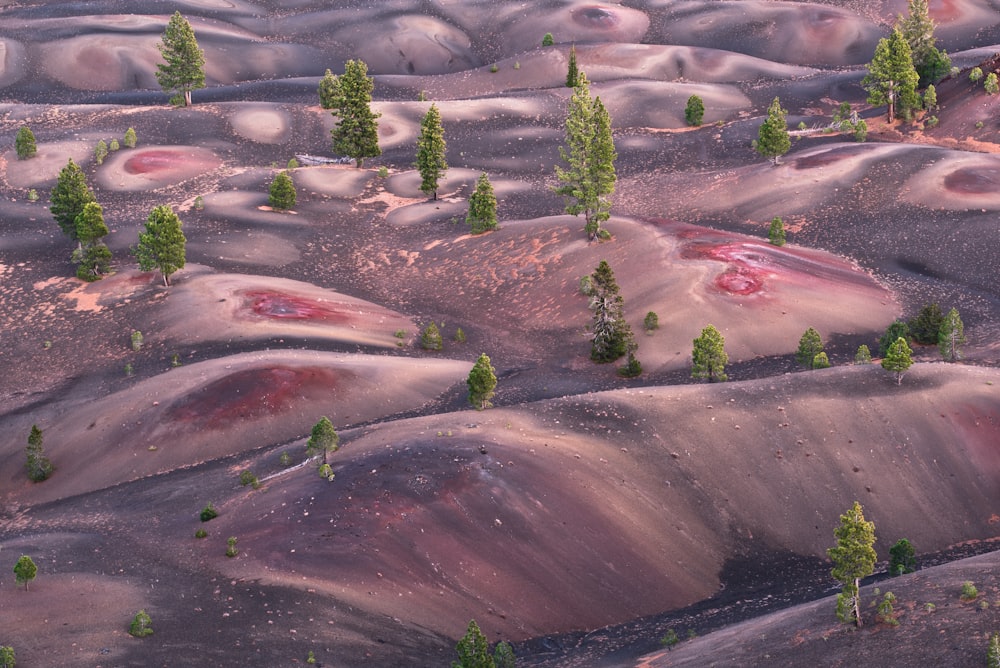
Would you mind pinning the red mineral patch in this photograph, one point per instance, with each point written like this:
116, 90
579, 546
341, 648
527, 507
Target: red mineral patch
283, 306
973, 181
739, 281
153, 161
250, 394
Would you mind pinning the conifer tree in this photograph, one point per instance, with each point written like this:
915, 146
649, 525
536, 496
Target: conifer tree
100, 152
431, 147
430, 338
356, 132
853, 558
897, 359
323, 439
162, 245
951, 336
863, 355
329, 90
708, 357
130, 138
773, 140
821, 361
926, 326
902, 558
891, 78
611, 334
897, 329
917, 29
282, 194
589, 180
694, 112
473, 649
572, 72
92, 257
503, 656
930, 98
184, 70
37, 464
24, 143
482, 382
69, 196
7, 657
482, 215
810, 345
776, 233
25, 571
993, 652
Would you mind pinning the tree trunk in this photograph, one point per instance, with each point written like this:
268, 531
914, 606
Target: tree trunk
166, 281
187, 98
857, 601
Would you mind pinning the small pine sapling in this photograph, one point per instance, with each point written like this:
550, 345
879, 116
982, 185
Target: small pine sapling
969, 591
137, 340
902, 558
114, 145
25, 571
993, 652
482, 216
130, 138
991, 85
430, 338
231, 550
24, 144
669, 639
482, 382
651, 322
247, 477
548, 40
459, 336
821, 361
885, 613
141, 625
100, 152
776, 233
7, 657
975, 74
694, 112
897, 360
573, 72
208, 513
37, 464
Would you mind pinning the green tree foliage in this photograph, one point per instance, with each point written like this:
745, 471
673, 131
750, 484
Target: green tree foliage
694, 112
430, 338
248, 477
930, 98
991, 85
162, 244
37, 464
891, 79
329, 90
708, 356
821, 361
323, 439
810, 345
92, 257
853, 558
25, 571
925, 327
589, 180
863, 355
282, 194
130, 138
975, 74
208, 513
897, 359
69, 196
141, 625
651, 322
951, 336
473, 649
7, 657
902, 558
24, 143
482, 382
860, 131
993, 652
114, 145
611, 334
503, 656
482, 215
184, 69
100, 152
917, 29
894, 331
776, 233
632, 368
356, 132
773, 140
548, 40
572, 72
431, 147
885, 612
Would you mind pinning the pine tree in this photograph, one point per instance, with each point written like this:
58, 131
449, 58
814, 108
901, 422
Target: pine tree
430, 338
69, 196
100, 152
897, 359
930, 98
548, 39
917, 29
482, 381
141, 625
773, 140
902, 558
25, 571
891, 79
821, 361
863, 355
810, 345
24, 143
503, 656
708, 357
993, 652
776, 234
473, 649
329, 90
130, 138
694, 112
951, 336
589, 180
356, 132
992, 84
925, 327
7, 657
430, 152
611, 334
184, 70
37, 464
282, 192
162, 244
92, 257
573, 72
322, 439
853, 558
482, 215
897, 329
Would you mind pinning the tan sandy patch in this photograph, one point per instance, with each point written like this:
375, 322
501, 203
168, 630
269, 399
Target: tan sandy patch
151, 167
45, 166
264, 123
958, 182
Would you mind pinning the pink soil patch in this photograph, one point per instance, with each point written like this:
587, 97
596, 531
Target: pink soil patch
252, 393
739, 281
746, 268
595, 17
826, 157
283, 306
153, 161
973, 181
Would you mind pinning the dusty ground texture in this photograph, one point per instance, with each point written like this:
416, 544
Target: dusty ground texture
585, 514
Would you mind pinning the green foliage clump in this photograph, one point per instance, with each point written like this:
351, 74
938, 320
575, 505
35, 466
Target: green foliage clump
247, 477
482, 216
651, 322
282, 194
326, 471
670, 638
894, 331
91, 255
310, 658
586, 285
431, 146
853, 558
810, 345
7, 657
773, 140
199, 203
100, 152
184, 69
548, 40
24, 143
925, 327
821, 361
137, 340
459, 336
474, 651
329, 90
285, 459
200, 533
951, 336
930, 98
969, 591
141, 625
430, 338
902, 558
776, 233
860, 131
130, 138
37, 464
694, 112
356, 132
975, 74
892, 79
885, 612
162, 244
114, 145
32, 195
897, 359
323, 439
482, 383
208, 513
993, 652
632, 368
611, 335
25, 571
708, 356
231, 550
917, 29
69, 196
292, 164
573, 72
991, 85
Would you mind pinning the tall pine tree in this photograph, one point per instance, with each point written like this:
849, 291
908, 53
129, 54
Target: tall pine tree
572, 71
69, 196
773, 140
431, 147
708, 356
92, 257
473, 649
853, 558
184, 70
891, 78
37, 464
482, 382
917, 28
611, 334
482, 216
356, 132
589, 180
951, 336
897, 359
162, 244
